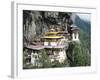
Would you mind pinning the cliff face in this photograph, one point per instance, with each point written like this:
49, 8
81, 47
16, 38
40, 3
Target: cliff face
36, 23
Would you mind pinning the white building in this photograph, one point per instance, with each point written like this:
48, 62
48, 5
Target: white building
35, 54
55, 43
75, 34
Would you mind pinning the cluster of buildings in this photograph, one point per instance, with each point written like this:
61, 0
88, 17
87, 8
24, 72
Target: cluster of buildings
55, 42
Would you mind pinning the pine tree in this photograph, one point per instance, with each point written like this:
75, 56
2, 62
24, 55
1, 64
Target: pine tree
44, 59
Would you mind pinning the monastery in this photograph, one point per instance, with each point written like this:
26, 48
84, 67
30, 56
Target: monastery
55, 42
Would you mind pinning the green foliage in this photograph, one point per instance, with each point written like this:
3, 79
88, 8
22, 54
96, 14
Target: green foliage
56, 63
46, 62
78, 59
79, 55
44, 59
85, 39
86, 46
25, 53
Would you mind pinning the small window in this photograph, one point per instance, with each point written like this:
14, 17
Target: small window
35, 57
75, 36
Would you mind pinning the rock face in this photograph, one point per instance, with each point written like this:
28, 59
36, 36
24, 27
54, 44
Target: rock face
36, 23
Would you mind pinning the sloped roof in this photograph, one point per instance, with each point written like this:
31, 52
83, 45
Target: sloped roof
37, 47
52, 33
52, 37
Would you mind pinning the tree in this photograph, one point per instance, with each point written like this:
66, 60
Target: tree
44, 59
78, 55
56, 63
78, 58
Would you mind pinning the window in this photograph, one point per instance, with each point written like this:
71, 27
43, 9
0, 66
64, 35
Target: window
75, 36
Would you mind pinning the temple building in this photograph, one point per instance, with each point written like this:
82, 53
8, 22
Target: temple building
75, 33
55, 45
35, 52
55, 42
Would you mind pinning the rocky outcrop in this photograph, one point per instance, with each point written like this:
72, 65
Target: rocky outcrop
36, 23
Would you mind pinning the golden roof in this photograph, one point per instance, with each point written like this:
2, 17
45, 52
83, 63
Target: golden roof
53, 37
52, 33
